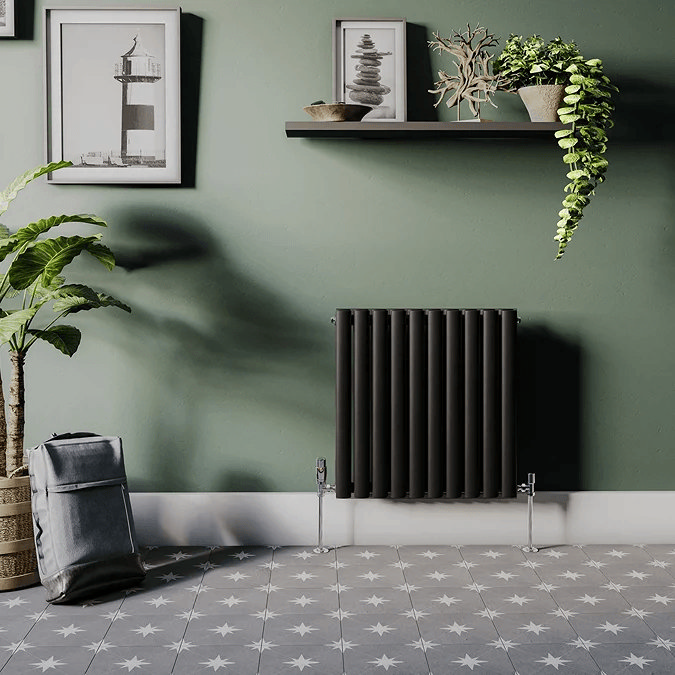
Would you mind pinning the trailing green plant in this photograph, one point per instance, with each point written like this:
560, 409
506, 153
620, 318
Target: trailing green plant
588, 112
33, 281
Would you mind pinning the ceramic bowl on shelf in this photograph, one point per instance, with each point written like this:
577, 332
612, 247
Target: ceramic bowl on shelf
336, 112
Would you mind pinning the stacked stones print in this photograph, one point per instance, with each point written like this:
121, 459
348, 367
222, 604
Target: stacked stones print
366, 87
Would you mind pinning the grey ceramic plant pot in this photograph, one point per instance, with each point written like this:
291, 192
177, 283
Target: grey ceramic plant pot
542, 101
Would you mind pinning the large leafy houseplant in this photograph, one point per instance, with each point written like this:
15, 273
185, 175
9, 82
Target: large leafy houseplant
32, 281
587, 111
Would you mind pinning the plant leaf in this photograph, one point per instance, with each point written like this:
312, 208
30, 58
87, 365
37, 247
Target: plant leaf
32, 231
571, 157
13, 322
20, 183
109, 301
46, 259
73, 295
65, 338
103, 254
568, 142
77, 298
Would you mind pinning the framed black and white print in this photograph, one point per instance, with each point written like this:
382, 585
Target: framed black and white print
369, 66
6, 18
113, 94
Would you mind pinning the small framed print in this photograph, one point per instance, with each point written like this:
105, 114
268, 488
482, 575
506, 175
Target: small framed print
7, 18
113, 95
369, 66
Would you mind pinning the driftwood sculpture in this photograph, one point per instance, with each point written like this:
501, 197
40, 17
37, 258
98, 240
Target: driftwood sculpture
473, 82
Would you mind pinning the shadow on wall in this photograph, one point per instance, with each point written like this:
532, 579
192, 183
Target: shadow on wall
549, 409
191, 38
231, 319
420, 104
644, 110
198, 322
24, 19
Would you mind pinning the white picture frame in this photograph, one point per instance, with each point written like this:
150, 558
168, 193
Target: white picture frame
112, 95
7, 24
378, 81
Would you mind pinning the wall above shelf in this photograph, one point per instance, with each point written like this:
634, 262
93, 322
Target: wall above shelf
421, 130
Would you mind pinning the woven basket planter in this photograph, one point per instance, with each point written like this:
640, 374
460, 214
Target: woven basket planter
18, 563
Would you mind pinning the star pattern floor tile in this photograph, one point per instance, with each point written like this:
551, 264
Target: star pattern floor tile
361, 610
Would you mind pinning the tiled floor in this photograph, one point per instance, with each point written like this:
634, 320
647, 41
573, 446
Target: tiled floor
360, 610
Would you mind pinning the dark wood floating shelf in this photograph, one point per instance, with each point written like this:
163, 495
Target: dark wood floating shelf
420, 130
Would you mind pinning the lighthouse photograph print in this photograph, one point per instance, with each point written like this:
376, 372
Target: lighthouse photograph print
113, 95
369, 66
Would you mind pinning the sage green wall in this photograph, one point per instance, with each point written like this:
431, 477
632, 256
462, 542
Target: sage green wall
222, 378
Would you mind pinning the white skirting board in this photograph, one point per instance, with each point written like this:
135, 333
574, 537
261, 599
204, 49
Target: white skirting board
291, 518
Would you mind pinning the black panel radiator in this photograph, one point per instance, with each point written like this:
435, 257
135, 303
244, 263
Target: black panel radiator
425, 403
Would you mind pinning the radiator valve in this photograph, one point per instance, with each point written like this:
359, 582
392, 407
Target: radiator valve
528, 488
321, 487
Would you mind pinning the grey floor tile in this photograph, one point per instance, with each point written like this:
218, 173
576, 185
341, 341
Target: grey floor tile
456, 628
436, 555
374, 600
371, 659
367, 576
14, 629
302, 629
293, 556
461, 658
290, 601
534, 628
293, 659
160, 600
57, 660
499, 574
447, 600
71, 631
611, 628
656, 599
239, 629
230, 601
147, 630
660, 551
16, 605
367, 555
640, 575
438, 575
563, 555
236, 660
590, 599
237, 576
662, 623
381, 607
172, 575
491, 554
137, 659
572, 575
308, 576
632, 658
617, 554
234, 555
375, 629
532, 659
518, 599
